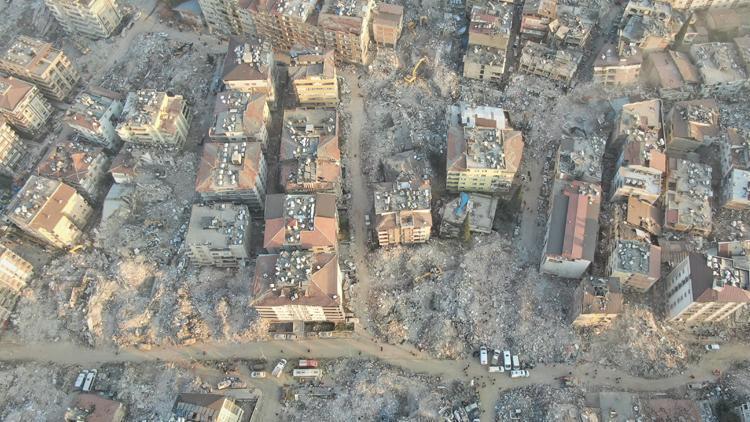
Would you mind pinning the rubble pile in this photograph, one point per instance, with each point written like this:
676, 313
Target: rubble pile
469, 297
538, 403
640, 345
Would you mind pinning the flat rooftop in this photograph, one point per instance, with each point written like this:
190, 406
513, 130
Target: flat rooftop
608, 57
89, 107
485, 55
238, 114
347, 8
637, 257
35, 195
674, 69
218, 225
696, 119
497, 20
739, 148
554, 61
36, 56
149, 107
640, 179
581, 157
400, 196
718, 62
480, 208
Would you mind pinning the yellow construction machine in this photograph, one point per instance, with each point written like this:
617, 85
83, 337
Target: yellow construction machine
409, 79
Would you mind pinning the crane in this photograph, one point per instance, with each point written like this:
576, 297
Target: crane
409, 79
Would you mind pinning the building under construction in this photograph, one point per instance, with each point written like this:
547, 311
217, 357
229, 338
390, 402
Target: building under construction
402, 212
596, 301
218, 235
232, 172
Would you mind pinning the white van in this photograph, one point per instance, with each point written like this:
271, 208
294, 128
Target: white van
496, 369
506, 360
516, 363
520, 373
483, 355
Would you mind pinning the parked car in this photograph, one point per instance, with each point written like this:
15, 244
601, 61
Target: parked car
507, 361
483, 355
711, 347
495, 357
258, 374
520, 373
279, 368
496, 369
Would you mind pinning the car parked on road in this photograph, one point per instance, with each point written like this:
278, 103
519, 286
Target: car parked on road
258, 374
711, 347
483, 355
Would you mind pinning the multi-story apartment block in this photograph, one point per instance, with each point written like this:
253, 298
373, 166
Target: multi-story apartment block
387, 23
536, 18
690, 125
298, 286
559, 65
240, 117
308, 222
228, 17
613, 68
649, 33
12, 150
636, 263
706, 289
79, 165
90, 18
402, 212
23, 106
477, 208
643, 215
151, 117
721, 68
686, 205
250, 67
596, 301
735, 170
36, 61
313, 77
51, 211
571, 28
309, 154
484, 152
232, 172
580, 158
15, 273
672, 74
489, 39
572, 228
218, 235
94, 114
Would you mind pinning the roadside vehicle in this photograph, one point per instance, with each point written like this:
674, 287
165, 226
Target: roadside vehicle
258, 374
711, 347
520, 373
496, 369
279, 368
495, 357
506, 360
483, 355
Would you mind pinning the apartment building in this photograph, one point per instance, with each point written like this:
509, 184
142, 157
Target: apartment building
23, 106
51, 211
77, 164
572, 228
402, 212
570, 28
489, 38
579, 157
536, 18
721, 68
686, 204
309, 154
636, 263
39, 63
707, 289
559, 65
232, 172
218, 235
298, 286
192, 406
15, 273
90, 18
227, 17
12, 150
614, 69
94, 115
596, 301
484, 152
301, 221
477, 208
313, 77
249, 67
387, 23
735, 167
151, 117
672, 74
649, 33
690, 125
643, 215
240, 117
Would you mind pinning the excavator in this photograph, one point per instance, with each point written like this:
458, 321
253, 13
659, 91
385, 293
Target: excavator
412, 25
409, 79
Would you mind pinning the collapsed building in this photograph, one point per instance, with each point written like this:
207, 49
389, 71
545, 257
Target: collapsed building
643, 215
706, 4
309, 153
198, 407
12, 150
50, 211
484, 152
648, 33
672, 74
472, 211
596, 301
617, 68
90, 18
642, 163
387, 23
94, 115
79, 165
131, 160
313, 77
721, 68
250, 67
39, 63
95, 408
635, 262
298, 286
301, 222
489, 40
735, 167
571, 27
686, 204
402, 212
15, 273
23, 106
579, 157
559, 65
218, 235
239, 117
151, 117
572, 228
232, 172
690, 125
706, 289
536, 18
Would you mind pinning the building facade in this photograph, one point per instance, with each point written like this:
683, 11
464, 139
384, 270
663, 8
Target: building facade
23, 106
151, 117
690, 125
402, 212
227, 17
94, 115
232, 172
219, 235
387, 23
90, 18
15, 273
596, 301
12, 150
313, 77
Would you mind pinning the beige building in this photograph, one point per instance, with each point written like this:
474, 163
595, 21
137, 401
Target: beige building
79, 165
298, 286
489, 38
571, 28
23, 105
38, 62
596, 301
227, 17
686, 204
572, 228
198, 407
636, 263
402, 212
735, 168
537, 15
672, 74
239, 117
313, 77
613, 68
642, 215
559, 65
218, 235
309, 153
51, 211
90, 18
484, 152
299, 221
12, 150
387, 23
94, 114
232, 172
151, 117
721, 68
690, 125
15, 273
250, 67
707, 289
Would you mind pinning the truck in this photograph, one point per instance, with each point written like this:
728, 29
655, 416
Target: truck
307, 373
279, 368
519, 373
307, 363
81, 378
516, 362
483, 355
506, 360
89, 383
